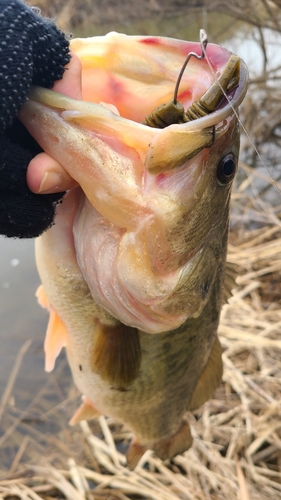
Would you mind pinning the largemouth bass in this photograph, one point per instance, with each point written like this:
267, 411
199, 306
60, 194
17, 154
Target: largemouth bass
133, 269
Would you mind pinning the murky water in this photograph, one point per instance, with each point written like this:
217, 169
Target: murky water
34, 405
20, 316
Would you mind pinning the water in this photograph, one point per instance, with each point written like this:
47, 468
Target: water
246, 44
20, 317
39, 405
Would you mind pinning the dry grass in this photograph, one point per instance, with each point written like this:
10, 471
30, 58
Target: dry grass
236, 452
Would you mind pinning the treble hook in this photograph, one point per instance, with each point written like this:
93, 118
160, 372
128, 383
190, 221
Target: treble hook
203, 42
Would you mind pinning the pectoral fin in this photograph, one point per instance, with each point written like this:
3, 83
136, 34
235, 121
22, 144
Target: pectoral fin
56, 335
86, 411
116, 354
210, 378
55, 340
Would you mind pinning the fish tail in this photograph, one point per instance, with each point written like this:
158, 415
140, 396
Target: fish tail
135, 452
176, 444
164, 448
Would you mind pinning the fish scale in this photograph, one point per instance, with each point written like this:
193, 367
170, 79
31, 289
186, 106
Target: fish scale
133, 269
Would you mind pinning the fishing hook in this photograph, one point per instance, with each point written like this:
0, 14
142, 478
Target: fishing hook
173, 112
203, 42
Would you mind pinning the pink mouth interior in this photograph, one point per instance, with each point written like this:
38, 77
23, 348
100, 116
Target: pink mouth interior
136, 97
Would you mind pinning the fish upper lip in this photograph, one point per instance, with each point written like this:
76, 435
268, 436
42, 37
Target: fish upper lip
59, 101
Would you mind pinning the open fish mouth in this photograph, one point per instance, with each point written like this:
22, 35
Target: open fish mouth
135, 76
130, 78
151, 198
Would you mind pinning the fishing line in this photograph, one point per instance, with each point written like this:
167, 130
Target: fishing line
273, 182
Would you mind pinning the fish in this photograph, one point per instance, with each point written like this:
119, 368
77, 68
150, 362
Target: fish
133, 270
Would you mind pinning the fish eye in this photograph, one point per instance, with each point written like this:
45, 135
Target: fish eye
226, 169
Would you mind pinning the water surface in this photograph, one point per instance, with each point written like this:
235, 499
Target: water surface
20, 316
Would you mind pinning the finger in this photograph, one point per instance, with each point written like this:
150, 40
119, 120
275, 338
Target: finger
45, 176
71, 83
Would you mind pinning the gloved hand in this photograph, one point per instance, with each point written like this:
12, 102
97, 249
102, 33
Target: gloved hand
32, 51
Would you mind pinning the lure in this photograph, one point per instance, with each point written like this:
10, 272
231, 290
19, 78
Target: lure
173, 112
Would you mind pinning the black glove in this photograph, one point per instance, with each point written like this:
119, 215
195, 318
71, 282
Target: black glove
32, 52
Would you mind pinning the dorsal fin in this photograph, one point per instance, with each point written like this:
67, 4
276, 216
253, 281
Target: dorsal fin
116, 354
210, 378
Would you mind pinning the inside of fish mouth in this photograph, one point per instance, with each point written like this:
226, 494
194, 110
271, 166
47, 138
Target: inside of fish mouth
219, 93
